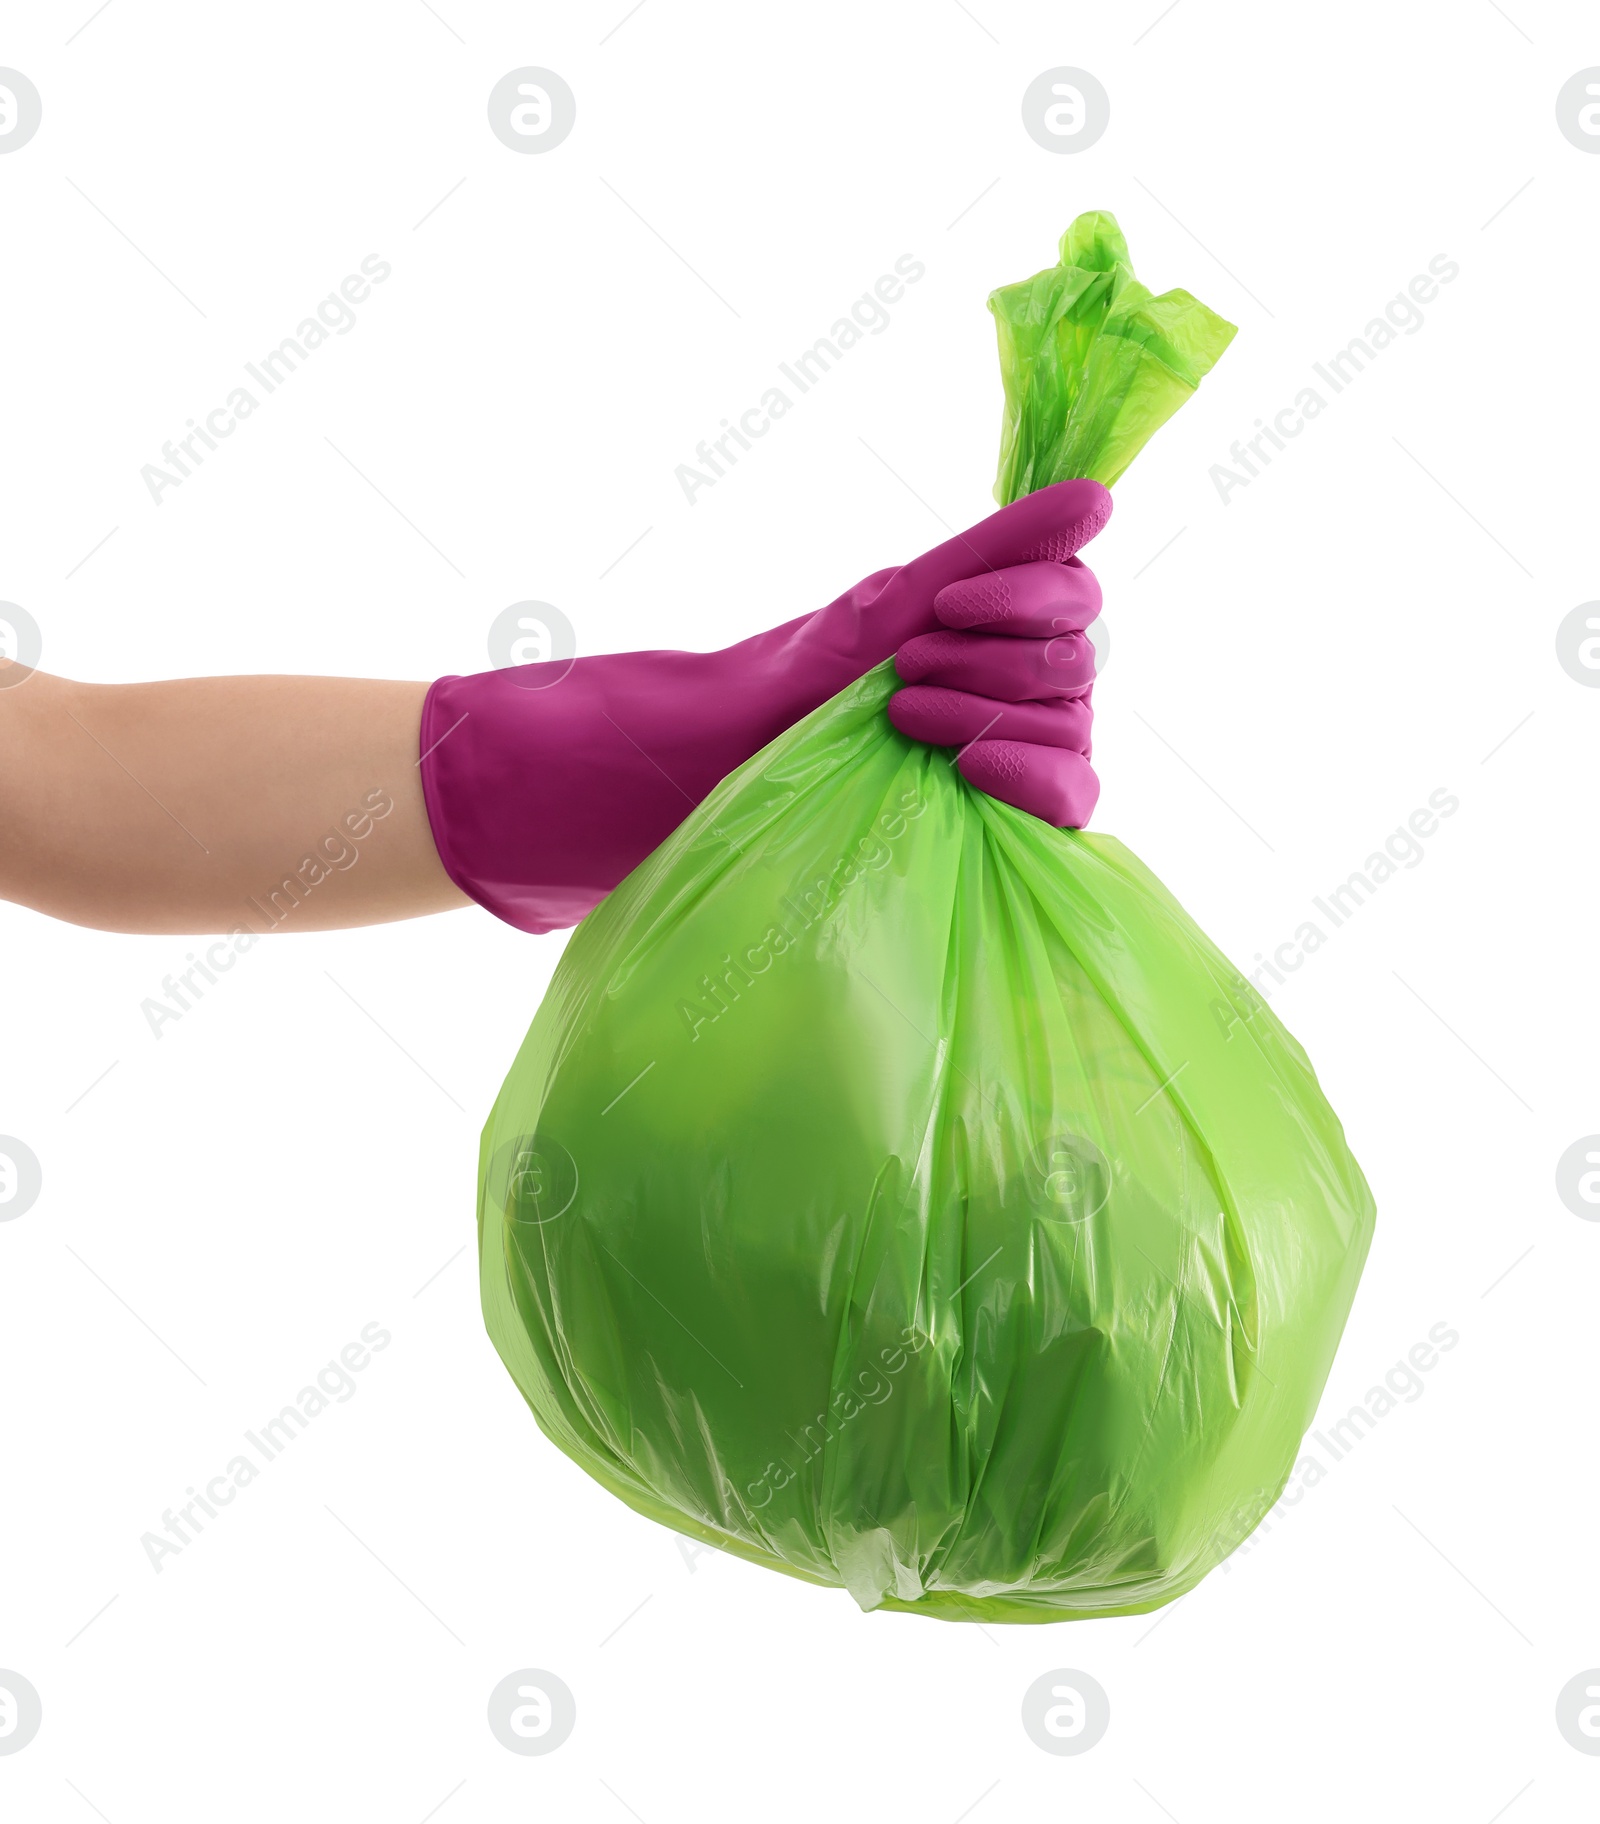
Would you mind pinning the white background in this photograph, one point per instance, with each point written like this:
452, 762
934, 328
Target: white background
291, 1161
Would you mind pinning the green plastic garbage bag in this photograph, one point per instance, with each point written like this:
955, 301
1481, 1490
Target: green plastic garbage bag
903, 1194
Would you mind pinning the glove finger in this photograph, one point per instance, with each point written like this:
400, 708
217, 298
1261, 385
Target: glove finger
810, 658
999, 665
952, 718
1046, 782
1046, 527
1030, 599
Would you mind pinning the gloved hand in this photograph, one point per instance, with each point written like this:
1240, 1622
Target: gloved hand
1014, 696
546, 784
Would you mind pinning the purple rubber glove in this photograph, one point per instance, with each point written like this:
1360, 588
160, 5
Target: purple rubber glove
1013, 689
547, 784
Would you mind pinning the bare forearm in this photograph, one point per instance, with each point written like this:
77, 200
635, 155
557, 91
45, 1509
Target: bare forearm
203, 804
